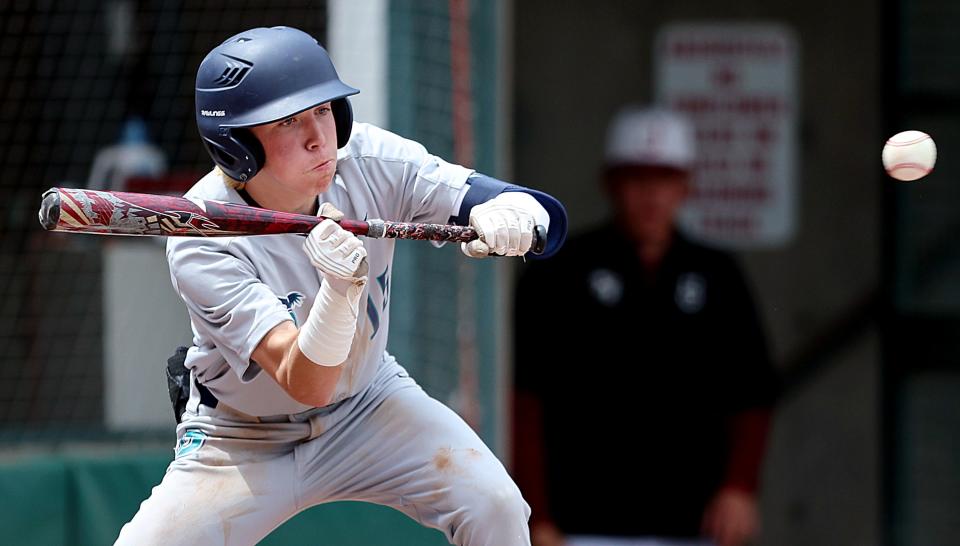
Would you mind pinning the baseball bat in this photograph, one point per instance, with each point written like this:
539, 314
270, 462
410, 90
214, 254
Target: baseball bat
139, 214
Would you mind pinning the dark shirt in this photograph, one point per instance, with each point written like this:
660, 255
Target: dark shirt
638, 376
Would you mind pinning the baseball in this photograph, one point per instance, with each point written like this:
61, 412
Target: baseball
909, 155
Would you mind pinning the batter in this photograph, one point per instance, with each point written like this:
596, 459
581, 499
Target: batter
293, 400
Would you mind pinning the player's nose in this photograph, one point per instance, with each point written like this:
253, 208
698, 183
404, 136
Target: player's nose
315, 135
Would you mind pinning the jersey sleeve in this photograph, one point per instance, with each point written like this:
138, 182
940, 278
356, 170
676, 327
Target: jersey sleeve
537, 361
228, 305
754, 386
409, 183
421, 187
537, 304
753, 382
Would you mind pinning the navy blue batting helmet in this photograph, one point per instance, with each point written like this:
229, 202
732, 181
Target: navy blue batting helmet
260, 76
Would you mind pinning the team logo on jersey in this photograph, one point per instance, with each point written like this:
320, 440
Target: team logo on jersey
691, 293
606, 286
192, 440
292, 301
383, 281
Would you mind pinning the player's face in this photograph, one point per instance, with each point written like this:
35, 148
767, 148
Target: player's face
301, 151
646, 202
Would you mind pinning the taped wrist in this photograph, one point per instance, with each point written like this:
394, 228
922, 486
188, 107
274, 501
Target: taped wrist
327, 334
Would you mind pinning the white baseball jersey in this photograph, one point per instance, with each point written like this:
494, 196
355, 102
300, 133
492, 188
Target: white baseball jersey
238, 288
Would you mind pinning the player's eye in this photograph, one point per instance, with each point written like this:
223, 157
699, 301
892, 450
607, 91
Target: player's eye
322, 110
287, 122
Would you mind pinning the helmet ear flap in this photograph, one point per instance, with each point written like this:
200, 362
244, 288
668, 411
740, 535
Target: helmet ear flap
343, 116
224, 158
240, 155
251, 145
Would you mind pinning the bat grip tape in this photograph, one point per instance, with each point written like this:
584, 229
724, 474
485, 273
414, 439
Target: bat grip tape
376, 229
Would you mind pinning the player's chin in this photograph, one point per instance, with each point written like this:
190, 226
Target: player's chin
322, 179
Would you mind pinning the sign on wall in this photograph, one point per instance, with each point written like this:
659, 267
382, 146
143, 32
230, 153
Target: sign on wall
737, 83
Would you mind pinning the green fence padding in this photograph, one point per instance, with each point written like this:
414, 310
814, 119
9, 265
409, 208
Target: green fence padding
84, 500
34, 494
107, 492
353, 524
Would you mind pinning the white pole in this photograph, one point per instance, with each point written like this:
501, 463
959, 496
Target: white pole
357, 37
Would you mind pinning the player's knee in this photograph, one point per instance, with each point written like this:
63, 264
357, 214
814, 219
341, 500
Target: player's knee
498, 502
494, 513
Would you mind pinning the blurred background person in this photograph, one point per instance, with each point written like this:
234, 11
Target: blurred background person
646, 415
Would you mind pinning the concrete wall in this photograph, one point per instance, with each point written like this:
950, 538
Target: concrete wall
577, 62
144, 321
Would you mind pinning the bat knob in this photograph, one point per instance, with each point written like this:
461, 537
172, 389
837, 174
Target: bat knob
539, 243
50, 209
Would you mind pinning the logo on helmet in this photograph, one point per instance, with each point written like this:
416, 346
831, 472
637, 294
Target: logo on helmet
233, 73
213, 113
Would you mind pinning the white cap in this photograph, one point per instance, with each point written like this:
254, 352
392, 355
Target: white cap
650, 136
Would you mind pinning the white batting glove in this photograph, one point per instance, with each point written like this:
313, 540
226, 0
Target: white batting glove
327, 334
337, 253
505, 225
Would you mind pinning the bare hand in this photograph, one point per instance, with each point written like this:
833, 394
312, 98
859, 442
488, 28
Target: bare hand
546, 534
731, 518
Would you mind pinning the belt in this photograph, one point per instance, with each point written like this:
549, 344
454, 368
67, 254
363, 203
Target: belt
206, 397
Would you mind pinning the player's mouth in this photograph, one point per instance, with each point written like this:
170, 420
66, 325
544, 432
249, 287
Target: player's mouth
323, 166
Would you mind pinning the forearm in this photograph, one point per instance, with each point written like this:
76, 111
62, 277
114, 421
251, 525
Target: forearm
306, 382
307, 362
748, 432
529, 464
320, 381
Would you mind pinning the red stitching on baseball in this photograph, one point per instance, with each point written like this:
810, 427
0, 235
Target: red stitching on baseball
899, 166
891, 142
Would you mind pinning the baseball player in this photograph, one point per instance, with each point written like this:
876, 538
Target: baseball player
695, 386
293, 400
